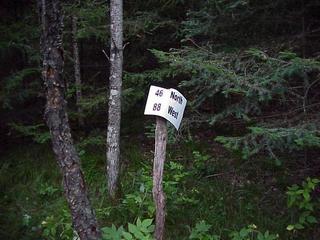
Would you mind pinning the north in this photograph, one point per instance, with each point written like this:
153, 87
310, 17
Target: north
176, 97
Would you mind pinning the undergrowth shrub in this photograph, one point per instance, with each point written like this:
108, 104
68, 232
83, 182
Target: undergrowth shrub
251, 232
58, 226
141, 230
303, 204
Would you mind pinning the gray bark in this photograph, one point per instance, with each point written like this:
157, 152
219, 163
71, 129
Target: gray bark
115, 83
158, 165
83, 217
77, 73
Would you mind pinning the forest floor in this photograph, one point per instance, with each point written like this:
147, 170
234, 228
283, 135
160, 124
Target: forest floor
202, 182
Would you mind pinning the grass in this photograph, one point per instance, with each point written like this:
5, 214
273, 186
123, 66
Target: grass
25, 172
222, 190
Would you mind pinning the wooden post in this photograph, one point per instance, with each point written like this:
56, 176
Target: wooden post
165, 104
158, 165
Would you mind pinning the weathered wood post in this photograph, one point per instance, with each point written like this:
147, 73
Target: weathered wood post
158, 165
166, 104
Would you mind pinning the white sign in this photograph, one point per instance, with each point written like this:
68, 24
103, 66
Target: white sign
166, 103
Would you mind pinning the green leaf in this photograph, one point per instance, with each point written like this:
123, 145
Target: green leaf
147, 222
151, 228
244, 232
112, 232
138, 222
135, 231
312, 219
260, 236
127, 235
298, 226
306, 195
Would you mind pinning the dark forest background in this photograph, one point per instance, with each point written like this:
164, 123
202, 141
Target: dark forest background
245, 163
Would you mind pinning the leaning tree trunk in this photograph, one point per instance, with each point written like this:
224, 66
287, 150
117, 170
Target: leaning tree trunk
77, 73
83, 217
114, 113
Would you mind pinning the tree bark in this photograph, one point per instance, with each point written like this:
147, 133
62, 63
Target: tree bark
115, 83
83, 217
77, 73
158, 165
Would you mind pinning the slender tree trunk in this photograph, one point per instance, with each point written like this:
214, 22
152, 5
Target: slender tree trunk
77, 74
114, 113
158, 165
83, 217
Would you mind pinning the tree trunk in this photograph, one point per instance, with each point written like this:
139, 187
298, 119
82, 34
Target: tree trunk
158, 165
83, 217
77, 74
114, 113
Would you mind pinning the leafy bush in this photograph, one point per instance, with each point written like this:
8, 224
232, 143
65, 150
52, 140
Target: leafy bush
200, 232
142, 230
300, 198
60, 227
139, 201
251, 233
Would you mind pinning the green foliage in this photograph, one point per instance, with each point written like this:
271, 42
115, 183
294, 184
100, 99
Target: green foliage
91, 19
245, 85
21, 35
200, 160
252, 87
239, 22
173, 135
240, 65
47, 190
246, 82
93, 140
112, 233
19, 59
38, 132
144, 23
157, 75
176, 176
26, 220
18, 87
200, 232
94, 102
210, 19
261, 139
134, 86
96, 99
300, 197
58, 227
139, 202
142, 230
189, 198
251, 233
